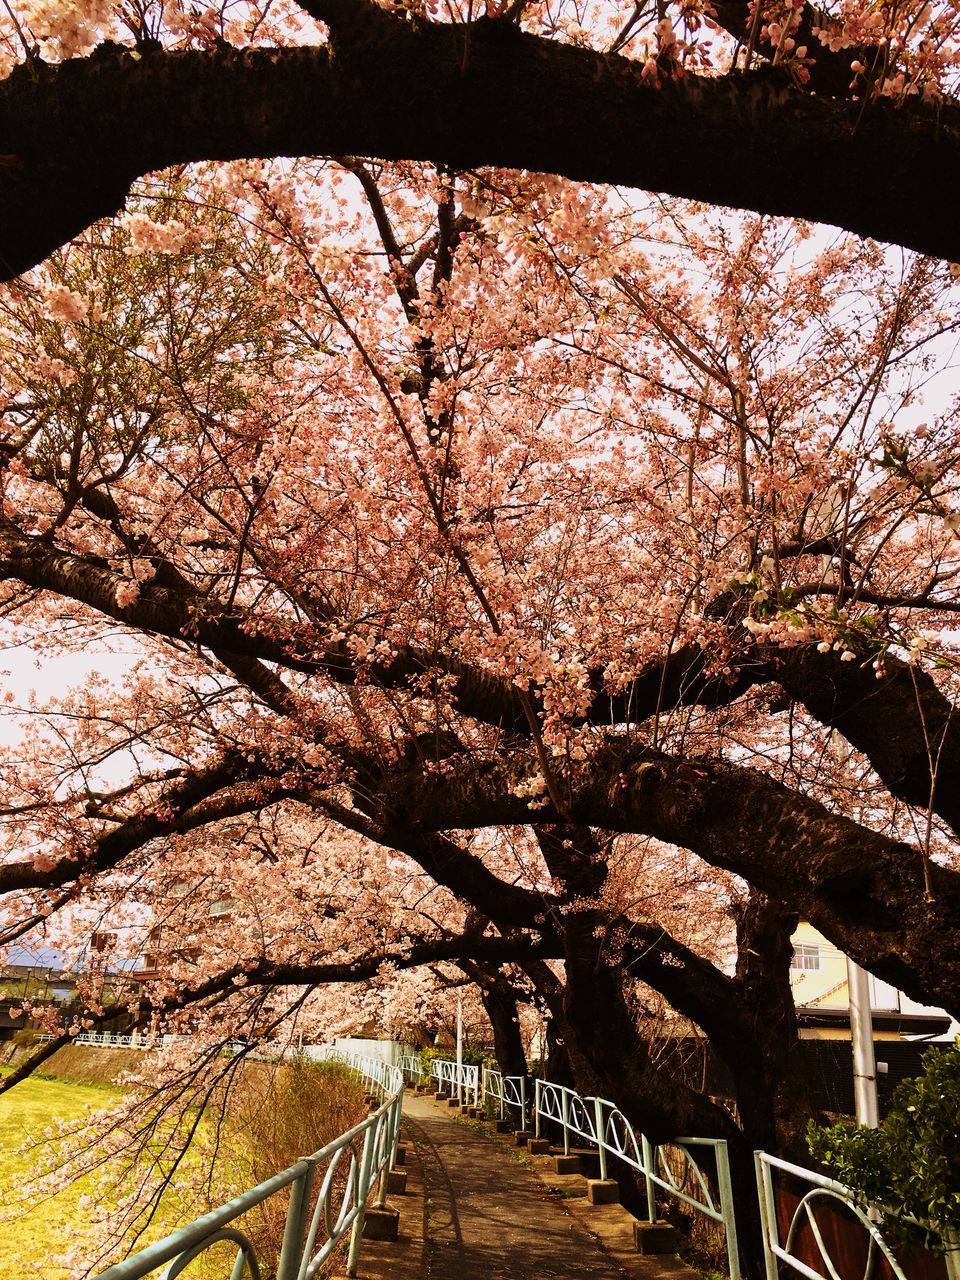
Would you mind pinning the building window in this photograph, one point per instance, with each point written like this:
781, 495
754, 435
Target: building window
806, 955
221, 908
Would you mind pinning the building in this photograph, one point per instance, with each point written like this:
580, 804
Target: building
903, 1030
818, 976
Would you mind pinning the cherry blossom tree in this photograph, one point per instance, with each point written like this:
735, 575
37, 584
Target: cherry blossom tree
498, 563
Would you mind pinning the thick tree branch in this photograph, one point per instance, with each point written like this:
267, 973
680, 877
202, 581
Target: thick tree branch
81, 132
230, 785
865, 891
491, 949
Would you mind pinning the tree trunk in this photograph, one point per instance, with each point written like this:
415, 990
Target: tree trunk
501, 1006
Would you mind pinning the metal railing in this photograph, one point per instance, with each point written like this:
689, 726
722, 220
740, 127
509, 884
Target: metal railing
414, 1072
366, 1153
133, 1041
806, 1229
458, 1079
671, 1166
505, 1091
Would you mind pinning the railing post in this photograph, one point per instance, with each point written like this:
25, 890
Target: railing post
725, 1187
768, 1213
385, 1128
951, 1257
536, 1106
598, 1124
288, 1267
565, 1117
363, 1188
396, 1109
523, 1102
647, 1171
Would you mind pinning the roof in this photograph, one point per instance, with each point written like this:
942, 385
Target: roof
911, 1024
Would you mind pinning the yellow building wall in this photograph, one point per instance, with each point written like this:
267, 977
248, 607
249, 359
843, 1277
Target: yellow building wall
826, 985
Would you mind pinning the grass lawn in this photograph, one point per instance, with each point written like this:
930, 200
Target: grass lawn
49, 1227
29, 1242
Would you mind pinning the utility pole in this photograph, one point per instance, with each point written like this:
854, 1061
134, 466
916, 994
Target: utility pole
861, 1011
861, 1038
460, 1044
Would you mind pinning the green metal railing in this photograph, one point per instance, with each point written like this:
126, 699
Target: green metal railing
505, 1091
366, 1153
459, 1079
821, 1194
672, 1166
414, 1072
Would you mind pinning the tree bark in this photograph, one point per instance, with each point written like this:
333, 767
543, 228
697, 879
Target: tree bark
865, 891
75, 136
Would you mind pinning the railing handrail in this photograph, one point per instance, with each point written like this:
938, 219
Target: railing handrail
106, 1038
824, 1188
506, 1091
379, 1130
603, 1119
463, 1076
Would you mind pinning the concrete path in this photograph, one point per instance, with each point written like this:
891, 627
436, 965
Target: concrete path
488, 1216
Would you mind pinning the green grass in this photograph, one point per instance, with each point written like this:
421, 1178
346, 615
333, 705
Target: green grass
31, 1240
50, 1227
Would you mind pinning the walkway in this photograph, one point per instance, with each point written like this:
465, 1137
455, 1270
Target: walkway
488, 1215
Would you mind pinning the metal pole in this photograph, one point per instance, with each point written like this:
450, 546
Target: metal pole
952, 1256
725, 1187
861, 1036
536, 1105
768, 1212
647, 1171
363, 1190
598, 1125
523, 1102
565, 1114
288, 1267
459, 1045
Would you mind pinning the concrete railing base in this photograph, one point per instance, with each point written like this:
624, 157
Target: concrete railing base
603, 1191
381, 1224
655, 1237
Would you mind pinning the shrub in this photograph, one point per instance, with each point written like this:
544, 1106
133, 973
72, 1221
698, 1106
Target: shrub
910, 1166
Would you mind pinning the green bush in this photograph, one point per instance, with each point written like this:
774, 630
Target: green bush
910, 1166
471, 1057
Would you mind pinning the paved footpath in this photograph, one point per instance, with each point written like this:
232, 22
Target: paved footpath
488, 1215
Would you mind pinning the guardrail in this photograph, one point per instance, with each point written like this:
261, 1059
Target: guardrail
369, 1149
671, 1166
109, 1042
459, 1079
505, 1091
813, 1234
413, 1069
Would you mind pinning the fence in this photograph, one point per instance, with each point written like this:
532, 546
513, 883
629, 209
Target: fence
109, 1042
505, 1091
413, 1070
457, 1079
670, 1166
368, 1149
819, 1231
